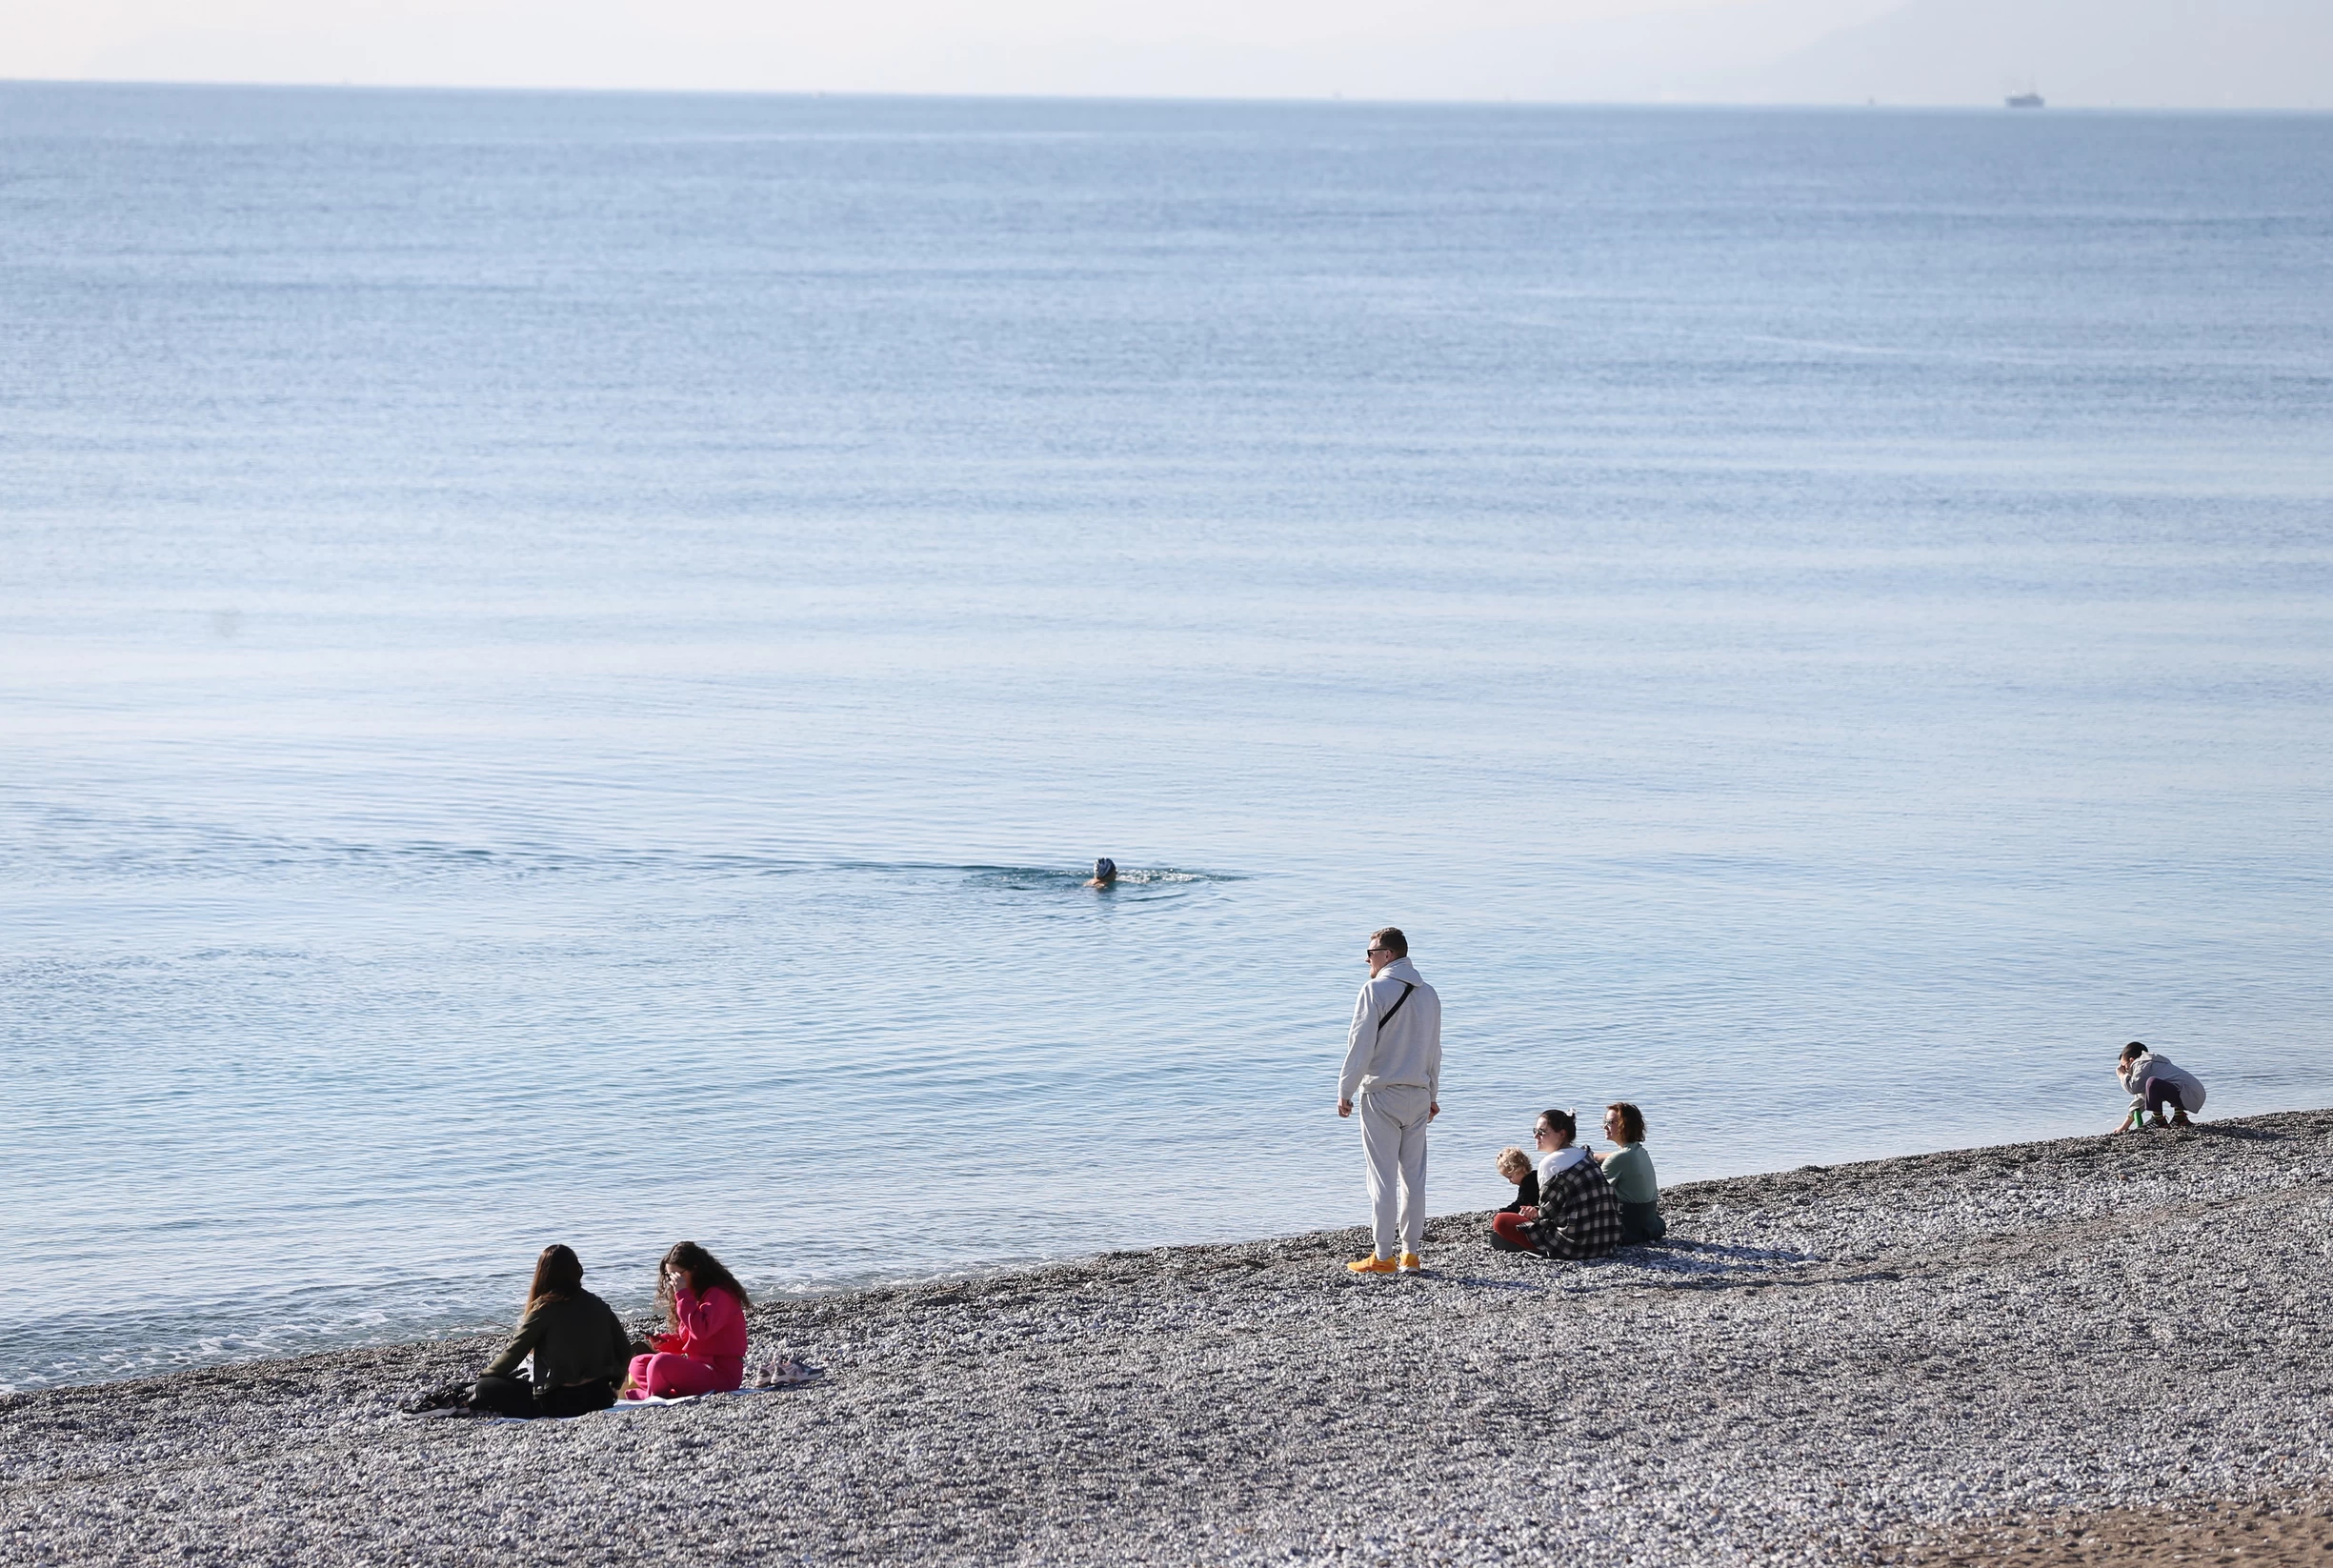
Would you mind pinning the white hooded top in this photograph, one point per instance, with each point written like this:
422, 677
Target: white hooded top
1408, 1050
1551, 1166
2154, 1064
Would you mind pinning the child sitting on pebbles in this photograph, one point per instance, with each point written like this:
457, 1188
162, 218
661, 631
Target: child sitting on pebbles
1516, 1166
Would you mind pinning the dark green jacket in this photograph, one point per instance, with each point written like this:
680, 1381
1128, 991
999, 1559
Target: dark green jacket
574, 1338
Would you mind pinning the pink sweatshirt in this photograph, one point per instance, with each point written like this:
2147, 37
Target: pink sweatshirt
711, 1329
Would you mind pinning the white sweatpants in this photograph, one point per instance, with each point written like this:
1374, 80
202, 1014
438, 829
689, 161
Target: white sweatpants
1394, 1119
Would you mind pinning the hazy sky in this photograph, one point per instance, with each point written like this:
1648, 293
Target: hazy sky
2237, 53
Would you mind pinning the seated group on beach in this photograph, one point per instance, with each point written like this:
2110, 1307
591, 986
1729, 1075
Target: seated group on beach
584, 1360
1576, 1202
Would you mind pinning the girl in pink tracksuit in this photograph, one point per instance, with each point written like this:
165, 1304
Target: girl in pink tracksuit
704, 1311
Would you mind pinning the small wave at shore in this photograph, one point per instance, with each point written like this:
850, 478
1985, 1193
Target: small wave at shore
111, 1347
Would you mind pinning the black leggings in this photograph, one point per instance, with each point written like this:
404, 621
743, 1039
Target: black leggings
509, 1396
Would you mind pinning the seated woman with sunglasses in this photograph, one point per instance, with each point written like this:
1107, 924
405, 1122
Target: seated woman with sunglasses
703, 1350
1579, 1214
577, 1343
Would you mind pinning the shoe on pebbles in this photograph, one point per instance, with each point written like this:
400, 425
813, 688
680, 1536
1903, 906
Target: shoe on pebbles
452, 1400
784, 1371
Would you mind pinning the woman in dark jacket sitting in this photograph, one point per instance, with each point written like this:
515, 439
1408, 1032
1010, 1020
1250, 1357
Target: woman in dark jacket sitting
581, 1349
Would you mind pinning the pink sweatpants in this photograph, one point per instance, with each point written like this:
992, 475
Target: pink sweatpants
666, 1376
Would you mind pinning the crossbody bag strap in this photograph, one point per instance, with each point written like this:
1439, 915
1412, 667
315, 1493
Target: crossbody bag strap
1406, 989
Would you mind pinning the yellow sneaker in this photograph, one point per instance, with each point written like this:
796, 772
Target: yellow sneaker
1412, 1263
1374, 1265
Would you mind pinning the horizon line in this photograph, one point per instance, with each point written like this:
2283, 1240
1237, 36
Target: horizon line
1995, 104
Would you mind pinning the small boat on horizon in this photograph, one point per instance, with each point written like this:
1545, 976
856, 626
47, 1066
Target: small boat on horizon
2024, 100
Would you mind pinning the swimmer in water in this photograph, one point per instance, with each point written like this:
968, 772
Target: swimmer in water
1105, 873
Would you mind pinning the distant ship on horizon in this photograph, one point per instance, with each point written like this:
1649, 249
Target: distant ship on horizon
2027, 99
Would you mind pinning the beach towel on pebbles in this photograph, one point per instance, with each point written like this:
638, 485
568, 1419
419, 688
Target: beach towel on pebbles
695, 1398
774, 1378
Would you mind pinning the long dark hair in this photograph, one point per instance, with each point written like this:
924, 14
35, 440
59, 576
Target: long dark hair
558, 1272
705, 1272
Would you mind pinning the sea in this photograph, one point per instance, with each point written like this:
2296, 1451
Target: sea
565, 657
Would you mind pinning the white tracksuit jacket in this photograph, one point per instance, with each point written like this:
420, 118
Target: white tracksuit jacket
1408, 1051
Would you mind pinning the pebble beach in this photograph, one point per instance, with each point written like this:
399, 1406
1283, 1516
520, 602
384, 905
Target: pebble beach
2057, 1352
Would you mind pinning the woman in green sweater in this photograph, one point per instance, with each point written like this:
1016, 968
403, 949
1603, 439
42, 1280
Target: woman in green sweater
1630, 1170
580, 1349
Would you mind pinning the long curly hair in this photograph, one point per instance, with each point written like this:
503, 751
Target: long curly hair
705, 1271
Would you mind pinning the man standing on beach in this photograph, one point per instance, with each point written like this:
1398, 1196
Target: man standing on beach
1394, 1070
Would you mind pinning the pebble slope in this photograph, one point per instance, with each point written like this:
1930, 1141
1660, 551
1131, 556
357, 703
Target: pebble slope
1827, 1361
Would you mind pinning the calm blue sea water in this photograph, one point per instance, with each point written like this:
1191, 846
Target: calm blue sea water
561, 658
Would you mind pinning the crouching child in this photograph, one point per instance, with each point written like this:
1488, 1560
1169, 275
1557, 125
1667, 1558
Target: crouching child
2157, 1087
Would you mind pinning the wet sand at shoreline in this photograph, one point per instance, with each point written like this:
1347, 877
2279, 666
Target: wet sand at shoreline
2279, 1529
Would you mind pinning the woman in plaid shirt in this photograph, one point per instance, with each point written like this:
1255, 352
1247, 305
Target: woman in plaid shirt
1579, 1213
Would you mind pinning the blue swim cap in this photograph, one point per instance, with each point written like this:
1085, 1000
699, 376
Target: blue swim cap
1105, 867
